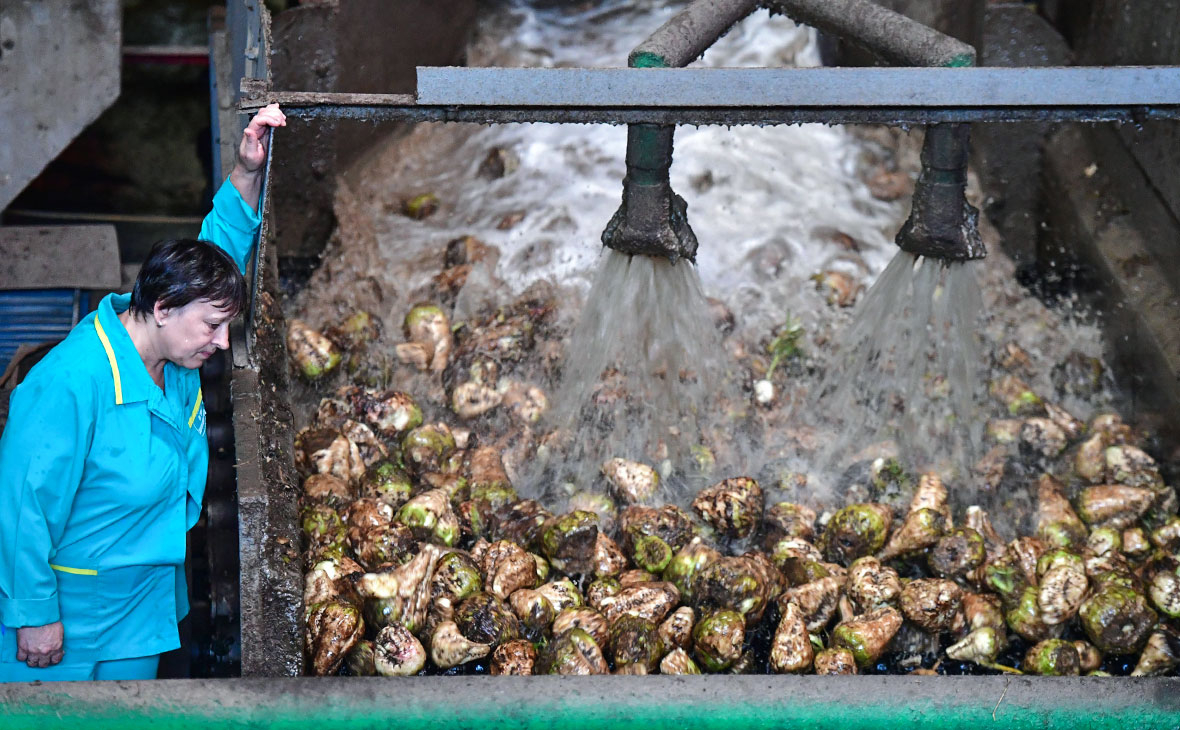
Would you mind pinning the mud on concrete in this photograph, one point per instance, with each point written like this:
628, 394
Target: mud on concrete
271, 579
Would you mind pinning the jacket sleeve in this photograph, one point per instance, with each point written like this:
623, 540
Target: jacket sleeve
42, 455
231, 225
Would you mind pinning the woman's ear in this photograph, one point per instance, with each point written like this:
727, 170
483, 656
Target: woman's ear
161, 314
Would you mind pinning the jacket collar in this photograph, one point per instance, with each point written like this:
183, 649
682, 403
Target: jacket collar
132, 382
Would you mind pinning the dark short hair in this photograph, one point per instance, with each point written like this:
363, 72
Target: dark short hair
182, 270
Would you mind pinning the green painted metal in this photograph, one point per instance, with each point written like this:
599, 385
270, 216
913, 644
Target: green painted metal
649, 154
965, 60
646, 59
599, 703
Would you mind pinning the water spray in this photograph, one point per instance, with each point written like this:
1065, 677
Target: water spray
645, 326
908, 365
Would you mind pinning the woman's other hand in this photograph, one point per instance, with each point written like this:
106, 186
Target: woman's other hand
39, 646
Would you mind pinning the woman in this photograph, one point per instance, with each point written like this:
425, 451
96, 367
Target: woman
103, 459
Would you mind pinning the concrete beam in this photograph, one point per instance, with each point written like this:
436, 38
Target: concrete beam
60, 68
67, 257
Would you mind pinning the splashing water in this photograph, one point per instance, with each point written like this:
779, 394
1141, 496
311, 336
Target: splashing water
909, 369
644, 376
764, 202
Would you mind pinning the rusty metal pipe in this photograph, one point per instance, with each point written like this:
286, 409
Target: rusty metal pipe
894, 38
653, 220
689, 33
942, 224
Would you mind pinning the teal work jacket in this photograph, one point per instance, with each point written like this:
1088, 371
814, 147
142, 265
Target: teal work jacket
101, 475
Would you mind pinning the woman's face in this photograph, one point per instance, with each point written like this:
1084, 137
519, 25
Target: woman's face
192, 333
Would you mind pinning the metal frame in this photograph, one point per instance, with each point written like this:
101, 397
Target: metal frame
895, 96
248, 32
926, 87
382, 108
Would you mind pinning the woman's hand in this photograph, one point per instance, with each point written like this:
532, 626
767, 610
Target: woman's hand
248, 172
39, 646
256, 138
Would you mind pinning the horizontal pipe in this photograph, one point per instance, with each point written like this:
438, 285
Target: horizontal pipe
689, 33
890, 36
599, 703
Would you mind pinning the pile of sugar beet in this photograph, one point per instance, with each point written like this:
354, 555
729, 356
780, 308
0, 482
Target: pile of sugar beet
421, 558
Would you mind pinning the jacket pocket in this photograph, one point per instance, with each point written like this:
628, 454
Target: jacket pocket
79, 603
138, 614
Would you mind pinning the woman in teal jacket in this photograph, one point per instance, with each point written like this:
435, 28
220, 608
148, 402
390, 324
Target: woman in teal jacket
103, 459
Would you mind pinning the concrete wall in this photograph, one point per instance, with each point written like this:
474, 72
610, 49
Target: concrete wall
1082, 32
59, 69
361, 46
1113, 204
1133, 33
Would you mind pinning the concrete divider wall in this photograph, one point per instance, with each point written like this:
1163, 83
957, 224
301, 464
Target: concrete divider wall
1141, 33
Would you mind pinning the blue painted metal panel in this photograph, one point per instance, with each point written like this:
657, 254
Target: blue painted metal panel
30, 317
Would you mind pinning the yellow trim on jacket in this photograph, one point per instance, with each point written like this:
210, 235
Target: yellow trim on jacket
75, 571
106, 345
196, 407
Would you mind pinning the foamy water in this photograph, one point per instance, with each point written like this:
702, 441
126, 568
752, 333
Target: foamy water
762, 201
